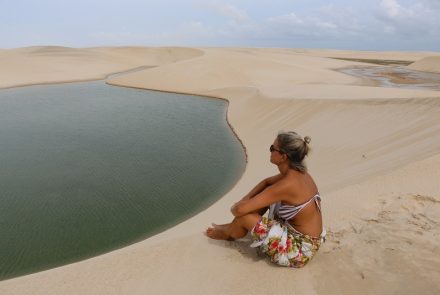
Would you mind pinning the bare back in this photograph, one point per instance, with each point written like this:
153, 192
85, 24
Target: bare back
298, 188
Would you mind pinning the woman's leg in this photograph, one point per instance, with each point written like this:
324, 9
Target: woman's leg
238, 228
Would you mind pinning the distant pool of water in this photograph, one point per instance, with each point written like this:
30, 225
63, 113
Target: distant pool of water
86, 168
395, 76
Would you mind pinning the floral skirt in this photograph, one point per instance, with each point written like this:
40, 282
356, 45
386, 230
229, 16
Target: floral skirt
283, 244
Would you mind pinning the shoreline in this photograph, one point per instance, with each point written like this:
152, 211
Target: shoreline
221, 122
264, 105
104, 78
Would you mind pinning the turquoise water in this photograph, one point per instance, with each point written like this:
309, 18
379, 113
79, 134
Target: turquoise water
86, 168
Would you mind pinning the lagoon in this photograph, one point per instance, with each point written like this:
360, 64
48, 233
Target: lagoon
86, 168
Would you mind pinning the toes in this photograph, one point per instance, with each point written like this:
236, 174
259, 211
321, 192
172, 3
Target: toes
210, 233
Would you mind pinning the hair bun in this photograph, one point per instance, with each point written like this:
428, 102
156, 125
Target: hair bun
307, 139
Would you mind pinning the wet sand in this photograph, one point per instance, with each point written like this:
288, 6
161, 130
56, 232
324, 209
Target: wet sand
395, 76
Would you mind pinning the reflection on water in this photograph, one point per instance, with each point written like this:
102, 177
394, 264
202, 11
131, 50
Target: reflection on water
86, 168
395, 76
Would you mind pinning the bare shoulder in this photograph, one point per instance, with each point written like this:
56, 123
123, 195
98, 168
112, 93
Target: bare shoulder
283, 185
274, 179
294, 184
301, 185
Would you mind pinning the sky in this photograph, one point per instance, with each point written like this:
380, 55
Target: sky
339, 24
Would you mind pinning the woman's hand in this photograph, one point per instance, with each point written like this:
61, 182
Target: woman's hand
233, 208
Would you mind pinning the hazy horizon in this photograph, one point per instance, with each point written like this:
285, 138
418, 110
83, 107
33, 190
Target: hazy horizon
359, 25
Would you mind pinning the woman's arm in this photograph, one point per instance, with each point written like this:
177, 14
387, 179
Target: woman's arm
261, 186
268, 196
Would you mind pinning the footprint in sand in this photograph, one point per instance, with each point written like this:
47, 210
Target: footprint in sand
425, 199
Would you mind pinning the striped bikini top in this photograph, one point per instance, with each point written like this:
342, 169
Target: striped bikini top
287, 212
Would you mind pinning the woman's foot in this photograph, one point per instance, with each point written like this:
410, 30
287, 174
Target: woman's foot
218, 232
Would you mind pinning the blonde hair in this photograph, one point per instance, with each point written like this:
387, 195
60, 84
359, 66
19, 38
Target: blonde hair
295, 147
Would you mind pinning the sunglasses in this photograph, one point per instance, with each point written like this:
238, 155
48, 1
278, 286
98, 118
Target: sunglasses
273, 149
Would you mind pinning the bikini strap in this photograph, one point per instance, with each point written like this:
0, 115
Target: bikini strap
317, 198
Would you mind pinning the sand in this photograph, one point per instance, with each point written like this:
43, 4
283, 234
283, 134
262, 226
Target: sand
427, 64
49, 64
376, 159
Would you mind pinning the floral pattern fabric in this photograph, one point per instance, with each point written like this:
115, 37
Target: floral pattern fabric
284, 246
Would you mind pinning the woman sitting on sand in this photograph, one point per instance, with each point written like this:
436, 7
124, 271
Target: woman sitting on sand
293, 232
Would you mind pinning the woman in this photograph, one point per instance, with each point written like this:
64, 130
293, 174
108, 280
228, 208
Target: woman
293, 232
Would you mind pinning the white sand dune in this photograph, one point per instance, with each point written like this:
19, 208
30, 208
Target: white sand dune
427, 64
49, 64
381, 55
376, 159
